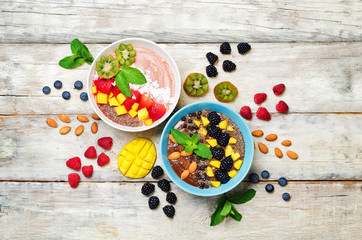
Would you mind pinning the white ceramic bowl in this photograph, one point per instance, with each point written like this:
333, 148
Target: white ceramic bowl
138, 42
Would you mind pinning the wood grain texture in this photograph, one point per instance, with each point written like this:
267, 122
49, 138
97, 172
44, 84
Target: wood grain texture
328, 146
320, 77
317, 210
180, 21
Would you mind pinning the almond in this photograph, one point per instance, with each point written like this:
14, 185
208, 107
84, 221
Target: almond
64, 118
271, 137
64, 130
96, 117
94, 127
278, 152
82, 118
192, 167
292, 155
174, 155
171, 138
287, 143
185, 154
185, 174
52, 123
78, 131
263, 148
257, 133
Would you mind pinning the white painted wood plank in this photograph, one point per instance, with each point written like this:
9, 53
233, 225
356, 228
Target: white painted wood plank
329, 147
317, 210
180, 21
320, 77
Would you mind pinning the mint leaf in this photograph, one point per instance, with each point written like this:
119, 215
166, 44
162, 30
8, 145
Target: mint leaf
216, 218
71, 62
180, 137
226, 209
84, 52
188, 143
235, 214
195, 138
203, 151
75, 47
241, 197
133, 75
81, 54
188, 149
122, 84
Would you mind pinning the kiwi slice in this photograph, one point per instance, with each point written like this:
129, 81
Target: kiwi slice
107, 67
196, 85
125, 54
225, 92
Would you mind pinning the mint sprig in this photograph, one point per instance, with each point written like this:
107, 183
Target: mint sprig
128, 75
225, 207
191, 143
80, 55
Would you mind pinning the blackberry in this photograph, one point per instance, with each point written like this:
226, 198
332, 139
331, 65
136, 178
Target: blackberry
213, 131
225, 48
148, 188
212, 58
222, 176
265, 174
211, 71
226, 164
269, 188
282, 181
46, 90
66, 95
84, 96
157, 172
217, 153
153, 202
223, 139
164, 185
169, 210
78, 85
254, 178
214, 118
243, 48
228, 66
58, 84
286, 196
171, 197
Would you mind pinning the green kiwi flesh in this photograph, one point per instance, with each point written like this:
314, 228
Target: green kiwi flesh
107, 67
196, 85
125, 54
225, 92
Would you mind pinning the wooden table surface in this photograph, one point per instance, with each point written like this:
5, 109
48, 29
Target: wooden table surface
313, 47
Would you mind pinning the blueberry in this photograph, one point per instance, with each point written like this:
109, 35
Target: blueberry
265, 174
78, 85
66, 95
282, 181
46, 90
58, 84
84, 96
286, 196
254, 178
269, 187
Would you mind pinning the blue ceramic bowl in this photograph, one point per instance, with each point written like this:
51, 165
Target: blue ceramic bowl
249, 148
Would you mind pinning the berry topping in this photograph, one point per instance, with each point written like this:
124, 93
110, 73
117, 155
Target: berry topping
214, 118
213, 131
169, 210
245, 112
254, 178
286, 196
104, 86
102, 160
147, 188
46, 90
105, 142
226, 164
153, 202
74, 163
171, 197
265, 174
84, 96
269, 188
263, 114
282, 107
90, 153
58, 84
73, 179
222, 176
217, 153
87, 171
145, 101
157, 111
212, 58
66, 95
78, 85
211, 71
164, 185
157, 172
278, 89
223, 139
243, 48
115, 91
135, 98
259, 98
228, 66
225, 48
282, 181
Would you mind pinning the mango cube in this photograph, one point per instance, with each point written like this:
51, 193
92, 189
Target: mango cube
212, 142
215, 163
209, 172
228, 151
142, 114
121, 110
202, 131
207, 145
223, 124
230, 129
110, 96
205, 121
237, 164
232, 173
215, 183
135, 106
235, 156
102, 98
94, 89
132, 112
113, 102
197, 123
148, 122
232, 140
121, 98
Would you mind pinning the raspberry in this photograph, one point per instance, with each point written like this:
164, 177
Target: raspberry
153, 202
73, 179
90, 153
105, 142
169, 210
74, 163
104, 86
212, 58
282, 107
259, 98
245, 112
157, 172
214, 118
87, 171
263, 114
147, 188
221, 176
223, 139
102, 160
243, 48
225, 48
171, 197
278, 89
226, 164
228, 66
211, 71
217, 153
213, 131
164, 185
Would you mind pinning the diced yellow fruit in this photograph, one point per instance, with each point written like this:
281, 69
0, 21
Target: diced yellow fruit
215, 183
197, 123
207, 145
235, 156
231, 129
142, 114
212, 142
209, 172
135, 106
121, 98
233, 173
205, 121
121, 110
228, 151
237, 164
223, 124
132, 112
110, 96
113, 102
232, 140
202, 131
137, 158
148, 122
215, 163
102, 98
94, 89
